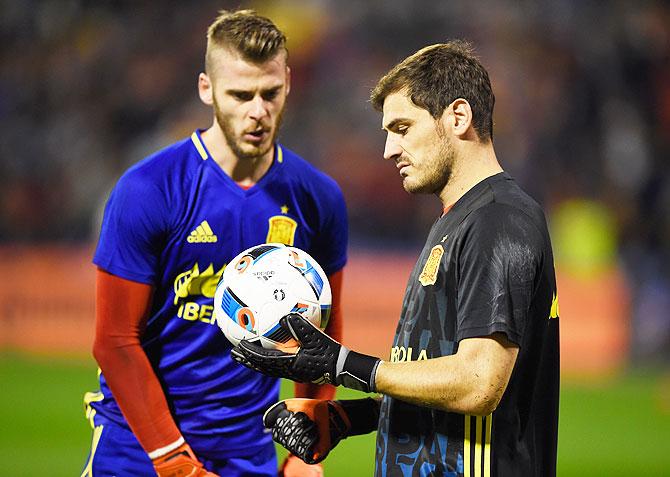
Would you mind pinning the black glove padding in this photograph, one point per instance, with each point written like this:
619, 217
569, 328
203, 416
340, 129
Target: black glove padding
310, 428
320, 359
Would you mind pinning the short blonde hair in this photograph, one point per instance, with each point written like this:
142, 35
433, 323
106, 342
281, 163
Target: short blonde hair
255, 37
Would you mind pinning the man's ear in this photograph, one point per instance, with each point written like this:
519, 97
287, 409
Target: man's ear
288, 80
457, 118
205, 89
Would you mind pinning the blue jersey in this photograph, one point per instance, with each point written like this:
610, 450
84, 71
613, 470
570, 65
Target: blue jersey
174, 221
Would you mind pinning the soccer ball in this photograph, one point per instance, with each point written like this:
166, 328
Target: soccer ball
264, 283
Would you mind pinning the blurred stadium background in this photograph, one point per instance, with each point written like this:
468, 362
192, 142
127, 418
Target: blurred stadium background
582, 121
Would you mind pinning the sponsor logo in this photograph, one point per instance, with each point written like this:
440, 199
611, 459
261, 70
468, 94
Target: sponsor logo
194, 282
192, 311
429, 273
264, 274
202, 234
400, 354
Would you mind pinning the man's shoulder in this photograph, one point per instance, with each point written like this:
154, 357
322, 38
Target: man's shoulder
506, 207
168, 165
167, 160
161, 175
305, 172
507, 191
507, 198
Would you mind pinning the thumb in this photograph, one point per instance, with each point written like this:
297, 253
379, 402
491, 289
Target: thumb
300, 327
273, 413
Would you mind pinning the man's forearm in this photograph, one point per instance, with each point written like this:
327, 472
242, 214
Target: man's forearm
472, 381
121, 308
431, 383
139, 395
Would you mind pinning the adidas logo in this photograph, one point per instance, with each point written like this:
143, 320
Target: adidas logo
202, 234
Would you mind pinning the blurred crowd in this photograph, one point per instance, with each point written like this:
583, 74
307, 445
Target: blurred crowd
582, 113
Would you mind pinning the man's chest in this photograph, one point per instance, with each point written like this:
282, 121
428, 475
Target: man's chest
214, 226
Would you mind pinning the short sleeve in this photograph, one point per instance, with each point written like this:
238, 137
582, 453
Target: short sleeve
499, 263
330, 245
133, 229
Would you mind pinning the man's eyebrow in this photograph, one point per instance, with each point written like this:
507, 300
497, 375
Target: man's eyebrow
394, 123
238, 91
253, 90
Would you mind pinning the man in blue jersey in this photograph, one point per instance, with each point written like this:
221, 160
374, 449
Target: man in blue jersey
172, 402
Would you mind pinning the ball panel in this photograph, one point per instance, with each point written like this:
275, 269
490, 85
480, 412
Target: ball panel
264, 283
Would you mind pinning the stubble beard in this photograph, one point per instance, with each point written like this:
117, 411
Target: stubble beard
233, 140
438, 177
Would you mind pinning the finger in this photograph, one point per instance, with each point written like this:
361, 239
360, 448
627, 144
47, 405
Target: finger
251, 350
238, 355
267, 361
299, 326
297, 433
244, 358
273, 413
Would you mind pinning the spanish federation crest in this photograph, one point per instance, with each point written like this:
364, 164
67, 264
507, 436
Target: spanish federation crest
429, 273
281, 229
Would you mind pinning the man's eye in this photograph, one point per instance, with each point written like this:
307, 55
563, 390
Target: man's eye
270, 95
242, 96
402, 130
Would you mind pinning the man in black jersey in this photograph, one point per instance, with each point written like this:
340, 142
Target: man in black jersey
471, 387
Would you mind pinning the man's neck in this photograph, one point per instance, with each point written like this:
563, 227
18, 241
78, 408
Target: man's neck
471, 167
245, 172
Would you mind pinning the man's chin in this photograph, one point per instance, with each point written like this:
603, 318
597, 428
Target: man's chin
248, 150
410, 187
414, 188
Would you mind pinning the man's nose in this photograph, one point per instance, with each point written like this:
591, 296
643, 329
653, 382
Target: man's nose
258, 109
392, 149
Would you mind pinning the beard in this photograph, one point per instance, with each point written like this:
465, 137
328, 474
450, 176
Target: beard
234, 141
435, 178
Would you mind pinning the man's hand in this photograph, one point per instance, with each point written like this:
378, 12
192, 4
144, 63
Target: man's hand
310, 428
294, 467
320, 359
181, 462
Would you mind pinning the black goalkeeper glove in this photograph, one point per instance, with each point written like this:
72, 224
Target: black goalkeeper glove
320, 359
310, 428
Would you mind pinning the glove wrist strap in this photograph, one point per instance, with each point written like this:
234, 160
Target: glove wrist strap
358, 372
363, 415
160, 452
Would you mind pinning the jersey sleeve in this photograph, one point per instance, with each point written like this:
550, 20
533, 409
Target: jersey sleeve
499, 264
133, 229
330, 244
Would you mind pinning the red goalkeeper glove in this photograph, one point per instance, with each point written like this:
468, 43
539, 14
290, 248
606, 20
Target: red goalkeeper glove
180, 462
310, 428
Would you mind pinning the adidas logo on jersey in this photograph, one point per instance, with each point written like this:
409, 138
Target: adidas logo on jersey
202, 234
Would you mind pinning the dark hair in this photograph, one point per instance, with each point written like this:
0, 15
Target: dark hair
437, 75
255, 37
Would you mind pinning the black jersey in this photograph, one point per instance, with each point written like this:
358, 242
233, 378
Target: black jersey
487, 267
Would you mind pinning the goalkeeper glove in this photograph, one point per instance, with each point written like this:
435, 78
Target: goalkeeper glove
180, 462
310, 428
320, 359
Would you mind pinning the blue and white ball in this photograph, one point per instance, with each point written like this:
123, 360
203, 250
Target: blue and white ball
264, 283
